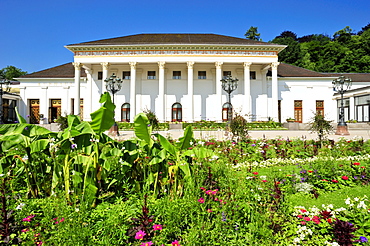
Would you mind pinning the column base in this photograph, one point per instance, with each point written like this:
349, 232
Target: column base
342, 130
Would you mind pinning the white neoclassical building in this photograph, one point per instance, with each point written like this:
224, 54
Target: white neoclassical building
178, 76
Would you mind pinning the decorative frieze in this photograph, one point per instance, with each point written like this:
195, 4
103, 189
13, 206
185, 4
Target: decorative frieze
176, 53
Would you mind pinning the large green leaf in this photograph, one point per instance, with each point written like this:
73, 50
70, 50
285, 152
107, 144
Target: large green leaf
143, 129
186, 139
166, 144
103, 118
20, 118
39, 145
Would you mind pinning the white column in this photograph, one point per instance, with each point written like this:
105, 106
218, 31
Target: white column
191, 90
132, 91
161, 110
23, 106
247, 89
105, 66
77, 97
352, 108
218, 107
274, 90
44, 105
88, 97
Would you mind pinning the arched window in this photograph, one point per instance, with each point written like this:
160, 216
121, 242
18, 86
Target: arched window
125, 112
225, 110
176, 112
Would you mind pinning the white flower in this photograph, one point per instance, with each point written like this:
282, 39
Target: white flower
263, 177
348, 201
356, 199
361, 205
20, 206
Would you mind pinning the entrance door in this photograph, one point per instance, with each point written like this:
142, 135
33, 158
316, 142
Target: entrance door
298, 110
55, 110
34, 111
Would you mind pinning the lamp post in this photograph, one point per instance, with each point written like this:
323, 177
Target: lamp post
2, 82
229, 85
341, 85
113, 85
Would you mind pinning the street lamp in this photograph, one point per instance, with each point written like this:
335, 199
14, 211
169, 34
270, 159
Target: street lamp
6, 83
341, 85
229, 85
113, 85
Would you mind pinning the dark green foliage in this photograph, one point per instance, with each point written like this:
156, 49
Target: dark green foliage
63, 122
11, 72
346, 52
321, 126
239, 127
154, 122
252, 34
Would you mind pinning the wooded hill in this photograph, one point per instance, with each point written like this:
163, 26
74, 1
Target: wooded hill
345, 52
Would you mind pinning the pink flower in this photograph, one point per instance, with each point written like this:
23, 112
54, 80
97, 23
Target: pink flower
157, 227
175, 243
264, 180
140, 234
202, 188
25, 230
147, 244
303, 222
26, 219
61, 220
344, 177
209, 210
300, 216
201, 200
208, 192
307, 218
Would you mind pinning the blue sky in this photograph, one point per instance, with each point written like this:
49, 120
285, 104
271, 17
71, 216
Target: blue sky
34, 33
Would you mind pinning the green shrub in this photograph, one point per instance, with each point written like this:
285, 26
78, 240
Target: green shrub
239, 127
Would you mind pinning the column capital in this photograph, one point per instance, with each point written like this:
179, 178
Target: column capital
218, 64
274, 65
190, 64
77, 65
161, 64
105, 65
247, 64
133, 65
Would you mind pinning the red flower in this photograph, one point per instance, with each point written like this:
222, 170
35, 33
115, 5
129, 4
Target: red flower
310, 171
300, 216
362, 167
307, 218
344, 177
334, 181
303, 222
264, 181
303, 210
329, 220
324, 180
255, 173
356, 163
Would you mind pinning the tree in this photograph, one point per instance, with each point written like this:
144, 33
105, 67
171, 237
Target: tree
365, 28
287, 34
11, 72
343, 35
321, 126
252, 34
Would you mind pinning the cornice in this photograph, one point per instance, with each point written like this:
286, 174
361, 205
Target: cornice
122, 48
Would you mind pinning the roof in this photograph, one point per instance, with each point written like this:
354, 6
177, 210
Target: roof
63, 71
174, 38
287, 70
355, 77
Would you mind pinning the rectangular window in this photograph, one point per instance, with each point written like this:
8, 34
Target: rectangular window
202, 75
100, 75
298, 111
151, 75
176, 75
320, 107
252, 74
226, 73
126, 75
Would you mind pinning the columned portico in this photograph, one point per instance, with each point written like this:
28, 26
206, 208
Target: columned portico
218, 65
132, 90
247, 89
190, 65
77, 97
274, 91
161, 111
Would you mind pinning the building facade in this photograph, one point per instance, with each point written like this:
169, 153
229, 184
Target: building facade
178, 76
